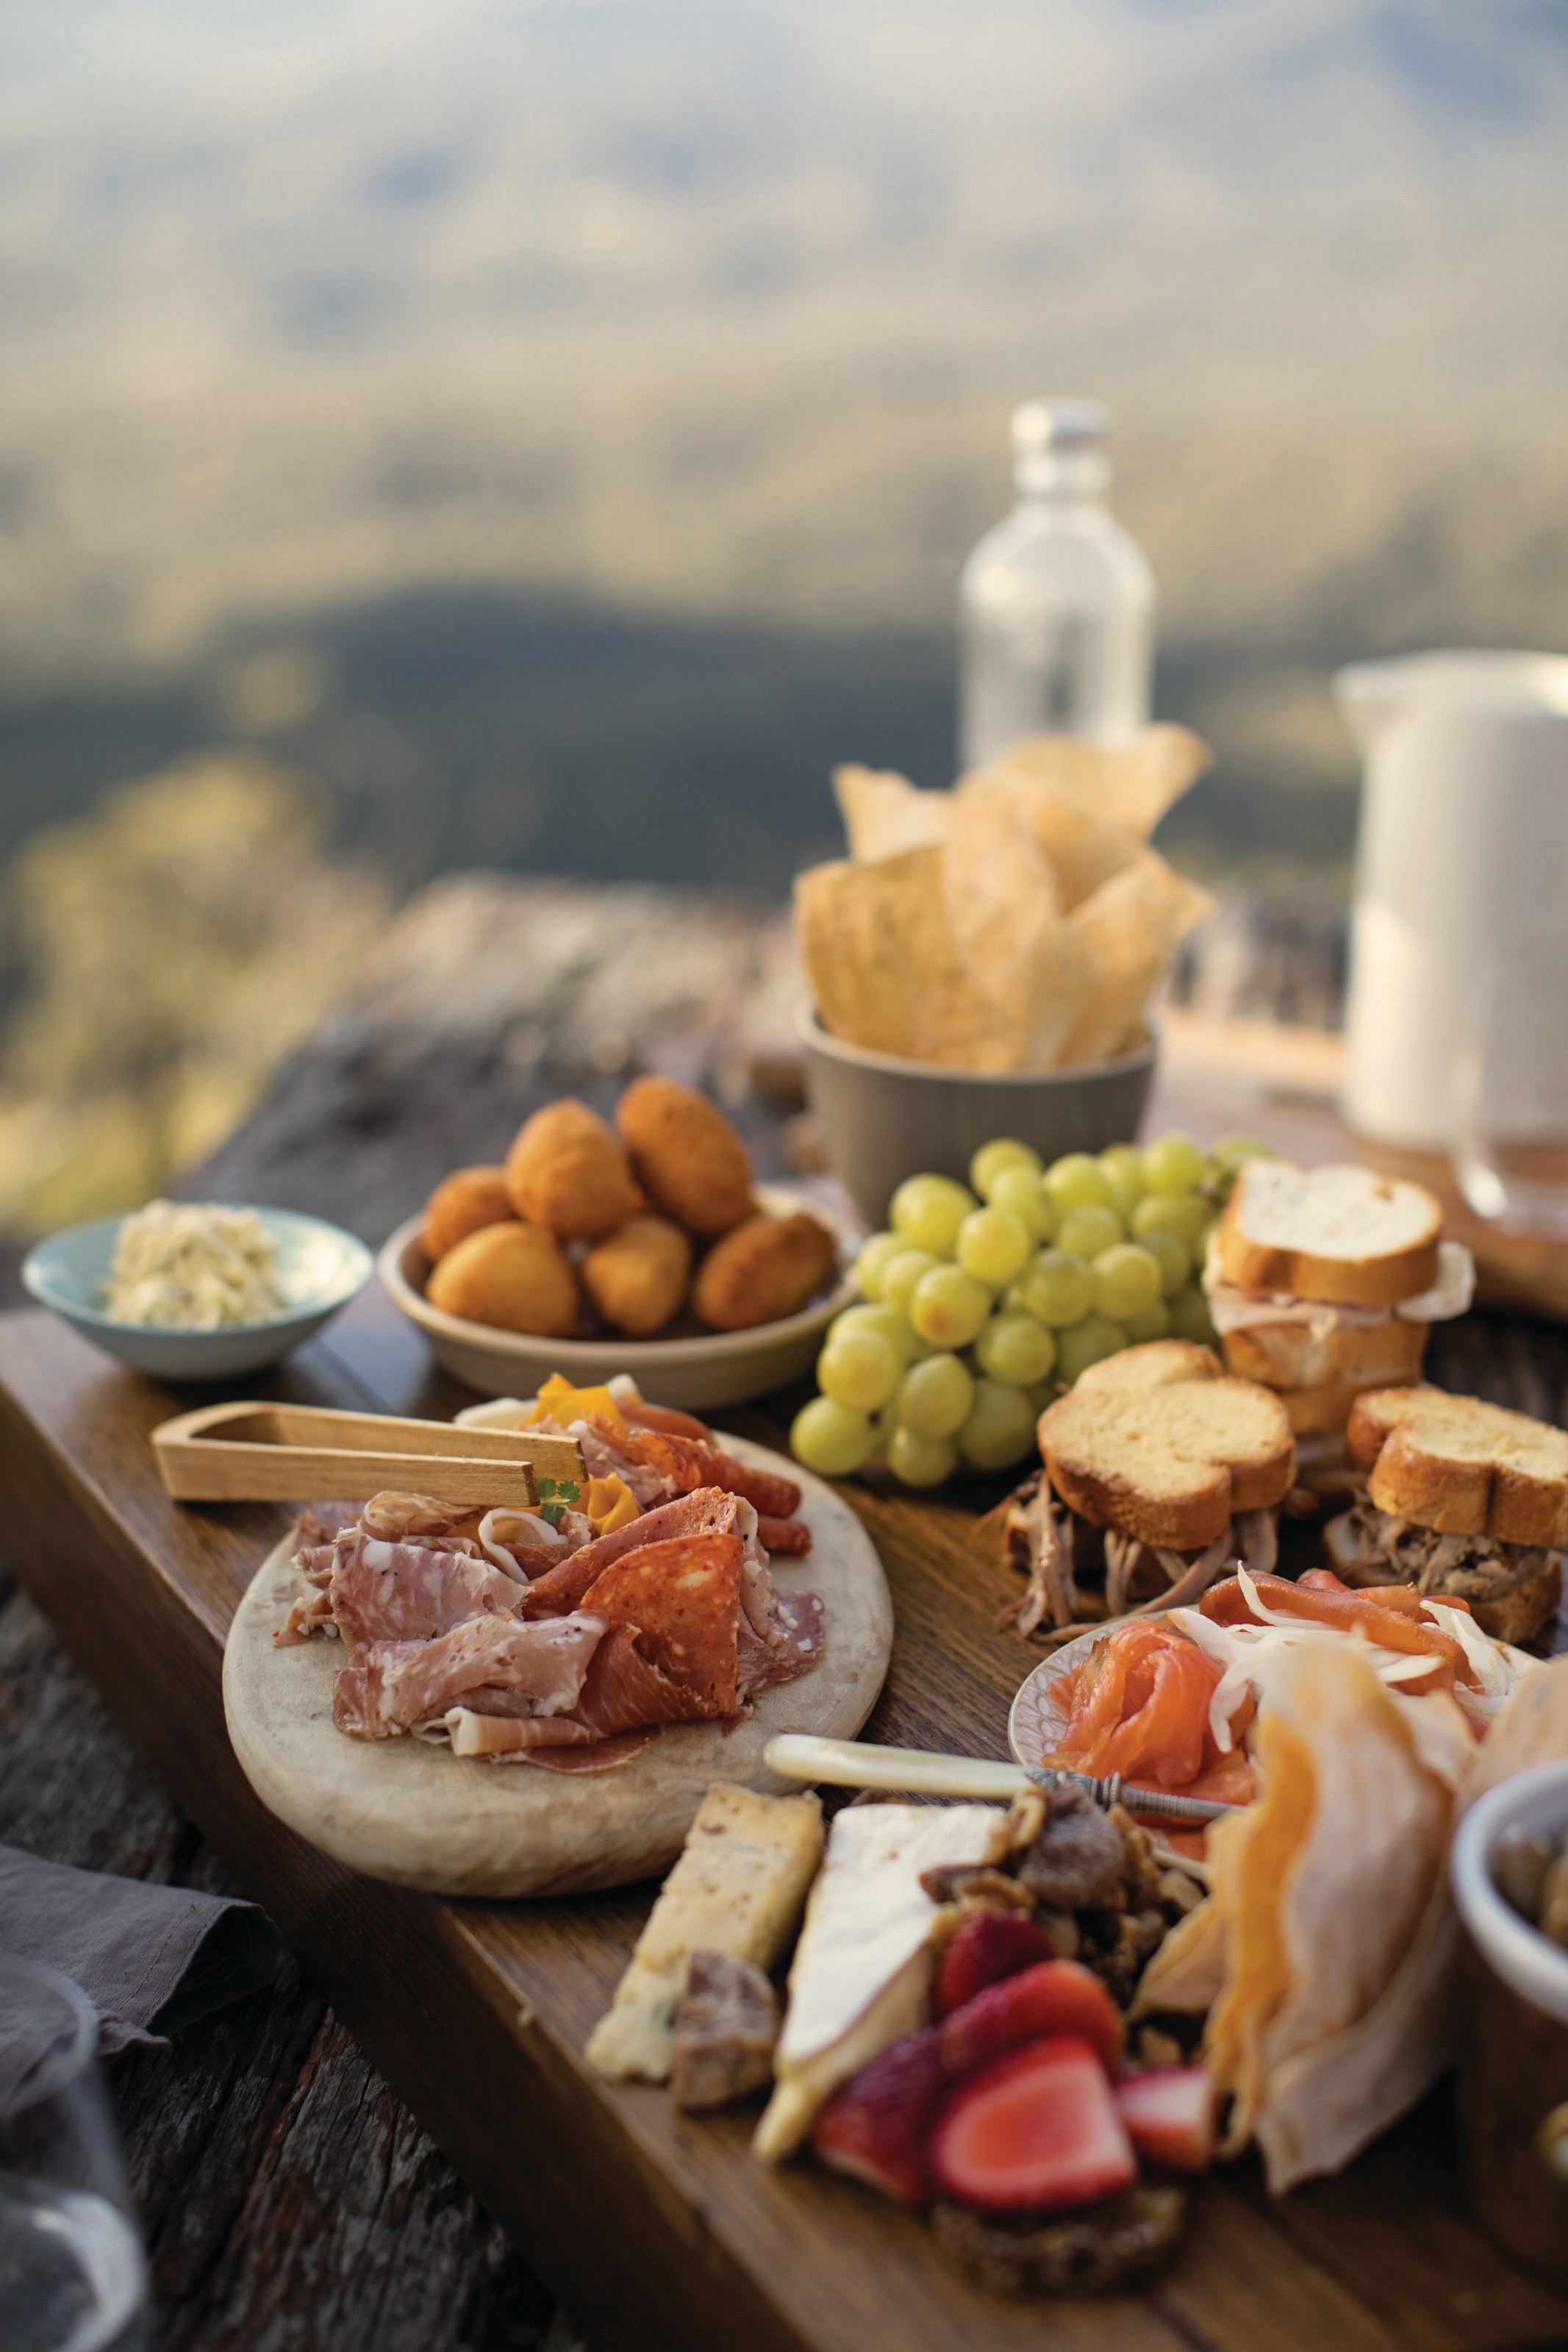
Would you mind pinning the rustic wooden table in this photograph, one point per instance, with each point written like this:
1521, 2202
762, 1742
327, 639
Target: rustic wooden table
653, 2228
291, 2200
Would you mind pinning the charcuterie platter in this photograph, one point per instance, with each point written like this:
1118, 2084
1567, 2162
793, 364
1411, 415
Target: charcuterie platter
420, 1816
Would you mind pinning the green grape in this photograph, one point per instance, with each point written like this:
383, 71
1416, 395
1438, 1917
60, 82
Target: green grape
1016, 1350
1041, 1393
929, 1211
993, 1159
949, 1306
1124, 1164
999, 1429
1190, 1318
859, 1368
873, 1260
1127, 1281
1085, 1343
1161, 1214
832, 1440
893, 1326
1084, 1233
1154, 1323
1173, 1165
1200, 1248
887, 1423
993, 1246
1012, 1298
1058, 1290
900, 1274
1232, 1152
921, 1461
1175, 1260
1077, 1182
1024, 1196
935, 1397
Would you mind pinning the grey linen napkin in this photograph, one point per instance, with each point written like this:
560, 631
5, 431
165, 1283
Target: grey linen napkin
150, 1959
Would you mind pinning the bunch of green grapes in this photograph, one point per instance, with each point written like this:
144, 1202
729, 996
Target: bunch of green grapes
983, 1302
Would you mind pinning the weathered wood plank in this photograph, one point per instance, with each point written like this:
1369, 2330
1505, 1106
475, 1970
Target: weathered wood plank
239, 2137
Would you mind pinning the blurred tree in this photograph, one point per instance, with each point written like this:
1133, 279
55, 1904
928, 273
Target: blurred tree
174, 946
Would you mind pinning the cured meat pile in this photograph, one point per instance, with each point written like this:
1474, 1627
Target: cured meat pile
528, 1636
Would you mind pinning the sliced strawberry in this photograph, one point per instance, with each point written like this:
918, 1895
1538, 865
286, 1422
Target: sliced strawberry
1053, 1997
1034, 2131
1169, 2115
987, 1946
876, 2126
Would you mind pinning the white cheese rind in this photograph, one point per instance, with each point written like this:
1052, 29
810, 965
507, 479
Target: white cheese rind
868, 1911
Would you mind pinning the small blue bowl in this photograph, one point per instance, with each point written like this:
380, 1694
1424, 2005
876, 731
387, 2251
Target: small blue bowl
319, 1267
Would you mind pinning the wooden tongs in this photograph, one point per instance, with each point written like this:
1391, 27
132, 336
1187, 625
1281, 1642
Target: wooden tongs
308, 1454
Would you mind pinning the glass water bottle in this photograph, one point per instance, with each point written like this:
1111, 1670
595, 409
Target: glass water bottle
1057, 604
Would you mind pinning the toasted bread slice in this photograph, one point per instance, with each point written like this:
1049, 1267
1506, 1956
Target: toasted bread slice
1340, 1233
1160, 1443
1461, 1465
1290, 1355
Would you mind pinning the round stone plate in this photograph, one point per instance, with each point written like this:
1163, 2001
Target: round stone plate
418, 1815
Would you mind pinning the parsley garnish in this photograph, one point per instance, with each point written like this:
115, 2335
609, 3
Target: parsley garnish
554, 1498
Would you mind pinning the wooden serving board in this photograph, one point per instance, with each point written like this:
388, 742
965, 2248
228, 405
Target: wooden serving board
420, 1816
657, 2229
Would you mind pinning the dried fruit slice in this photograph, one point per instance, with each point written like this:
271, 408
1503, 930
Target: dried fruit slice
1169, 2115
1035, 2131
1053, 1997
987, 1946
874, 2128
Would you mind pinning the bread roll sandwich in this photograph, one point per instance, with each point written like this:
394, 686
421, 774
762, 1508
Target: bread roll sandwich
1161, 1471
1322, 1283
1464, 1500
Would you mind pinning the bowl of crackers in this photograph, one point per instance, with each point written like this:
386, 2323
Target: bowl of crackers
639, 1246
983, 960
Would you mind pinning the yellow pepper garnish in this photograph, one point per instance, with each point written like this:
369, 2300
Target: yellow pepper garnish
558, 1401
609, 1504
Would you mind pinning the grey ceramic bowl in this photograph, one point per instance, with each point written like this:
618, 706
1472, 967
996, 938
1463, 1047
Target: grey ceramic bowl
319, 1267
882, 1119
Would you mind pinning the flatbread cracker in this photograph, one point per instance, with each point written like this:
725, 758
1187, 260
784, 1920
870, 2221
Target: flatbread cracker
1130, 785
1005, 909
1134, 923
884, 969
884, 815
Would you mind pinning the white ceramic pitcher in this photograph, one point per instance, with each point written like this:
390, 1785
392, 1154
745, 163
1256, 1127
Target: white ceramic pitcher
1463, 857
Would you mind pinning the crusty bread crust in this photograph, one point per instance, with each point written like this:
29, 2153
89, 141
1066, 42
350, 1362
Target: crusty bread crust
1300, 1272
1285, 1355
1323, 1412
1162, 1443
1461, 1465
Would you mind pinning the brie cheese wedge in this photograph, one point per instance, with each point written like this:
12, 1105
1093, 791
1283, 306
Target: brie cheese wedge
862, 1973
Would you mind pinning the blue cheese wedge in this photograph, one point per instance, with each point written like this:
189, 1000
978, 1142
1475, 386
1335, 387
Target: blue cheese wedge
737, 1887
861, 1973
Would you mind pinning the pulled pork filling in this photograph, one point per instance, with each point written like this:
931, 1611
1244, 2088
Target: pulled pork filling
1081, 1575
1372, 1547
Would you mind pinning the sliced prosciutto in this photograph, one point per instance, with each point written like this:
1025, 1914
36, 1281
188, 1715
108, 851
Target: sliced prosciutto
515, 1638
402, 1687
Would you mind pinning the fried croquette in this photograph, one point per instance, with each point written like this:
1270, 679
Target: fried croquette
637, 1278
689, 1158
462, 1203
509, 1274
766, 1268
566, 1171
